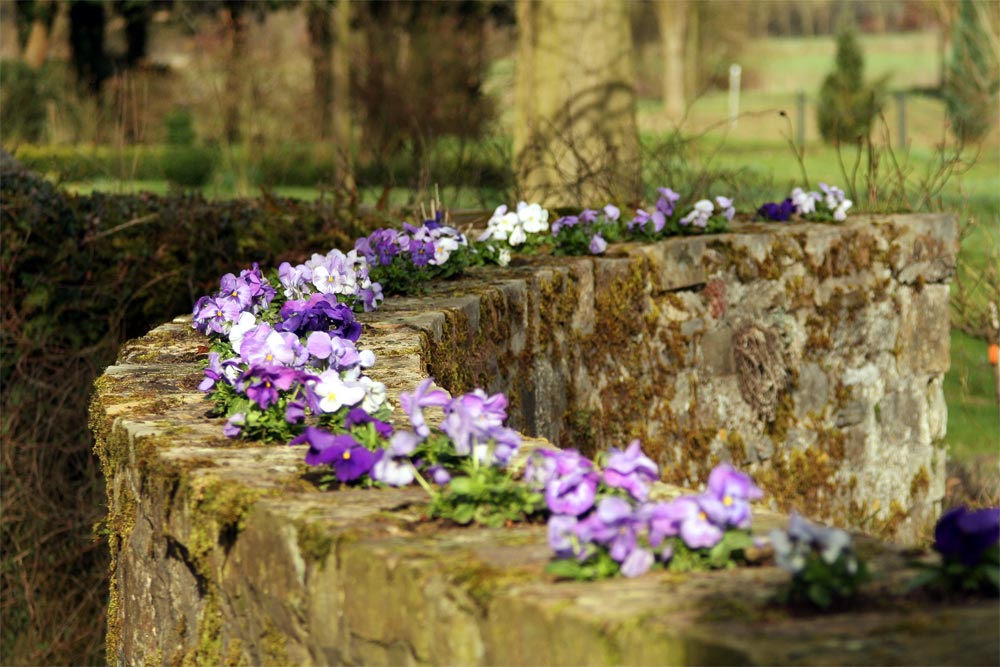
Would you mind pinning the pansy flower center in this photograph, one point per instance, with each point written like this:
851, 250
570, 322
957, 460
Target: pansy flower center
347, 455
727, 500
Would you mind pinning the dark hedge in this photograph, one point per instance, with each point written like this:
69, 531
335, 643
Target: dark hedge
81, 275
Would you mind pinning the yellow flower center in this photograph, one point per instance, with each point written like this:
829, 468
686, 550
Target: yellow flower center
332, 396
329, 279
234, 293
727, 501
269, 357
347, 455
218, 313
701, 515
267, 383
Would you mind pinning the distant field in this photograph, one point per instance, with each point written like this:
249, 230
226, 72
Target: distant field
788, 64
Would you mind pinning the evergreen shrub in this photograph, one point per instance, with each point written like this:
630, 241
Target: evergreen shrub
970, 91
847, 105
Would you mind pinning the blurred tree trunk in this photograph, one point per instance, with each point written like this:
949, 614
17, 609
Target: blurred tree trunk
320, 22
86, 39
235, 25
137, 16
43, 14
341, 103
576, 140
807, 14
329, 26
672, 16
692, 51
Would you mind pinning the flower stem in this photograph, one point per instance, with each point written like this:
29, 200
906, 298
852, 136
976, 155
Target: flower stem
423, 482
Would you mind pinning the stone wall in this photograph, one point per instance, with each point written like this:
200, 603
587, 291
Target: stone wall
810, 355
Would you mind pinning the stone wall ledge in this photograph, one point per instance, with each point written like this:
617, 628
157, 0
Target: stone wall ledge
226, 552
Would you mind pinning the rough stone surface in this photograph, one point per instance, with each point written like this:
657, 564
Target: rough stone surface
227, 553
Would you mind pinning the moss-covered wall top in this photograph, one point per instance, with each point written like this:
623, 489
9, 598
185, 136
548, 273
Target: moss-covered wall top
811, 355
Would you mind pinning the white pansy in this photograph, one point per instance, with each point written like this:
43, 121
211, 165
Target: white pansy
334, 393
517, 237
503, 257
533, 217
840, 214
245, 323
805, 202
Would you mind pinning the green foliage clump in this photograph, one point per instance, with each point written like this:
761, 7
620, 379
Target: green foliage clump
848, 105
183, 163
970, 92
179, 124
486, 495
188, 166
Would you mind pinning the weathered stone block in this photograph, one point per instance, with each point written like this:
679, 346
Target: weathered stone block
673, 264
922, 344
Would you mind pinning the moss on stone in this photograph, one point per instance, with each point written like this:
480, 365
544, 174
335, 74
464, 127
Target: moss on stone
274, 645
208, 648
315, 543
736, 446
920, 483
234, 654
219, 509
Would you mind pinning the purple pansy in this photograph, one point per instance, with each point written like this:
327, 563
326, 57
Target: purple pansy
631, 470
685, 517
422, 397
964, 535
263, 383
668, 199
214, 314
734, 490
234, 425
213, 372
637, 563
614, 525
777, 212
565, 221
562, 535
471, 419
349, 458
439, 475
421, 252
574, 488
321, 312
597, 244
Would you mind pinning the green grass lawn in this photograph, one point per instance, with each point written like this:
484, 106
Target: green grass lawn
973, 416
399, 198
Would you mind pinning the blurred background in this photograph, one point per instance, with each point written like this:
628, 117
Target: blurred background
159, 144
